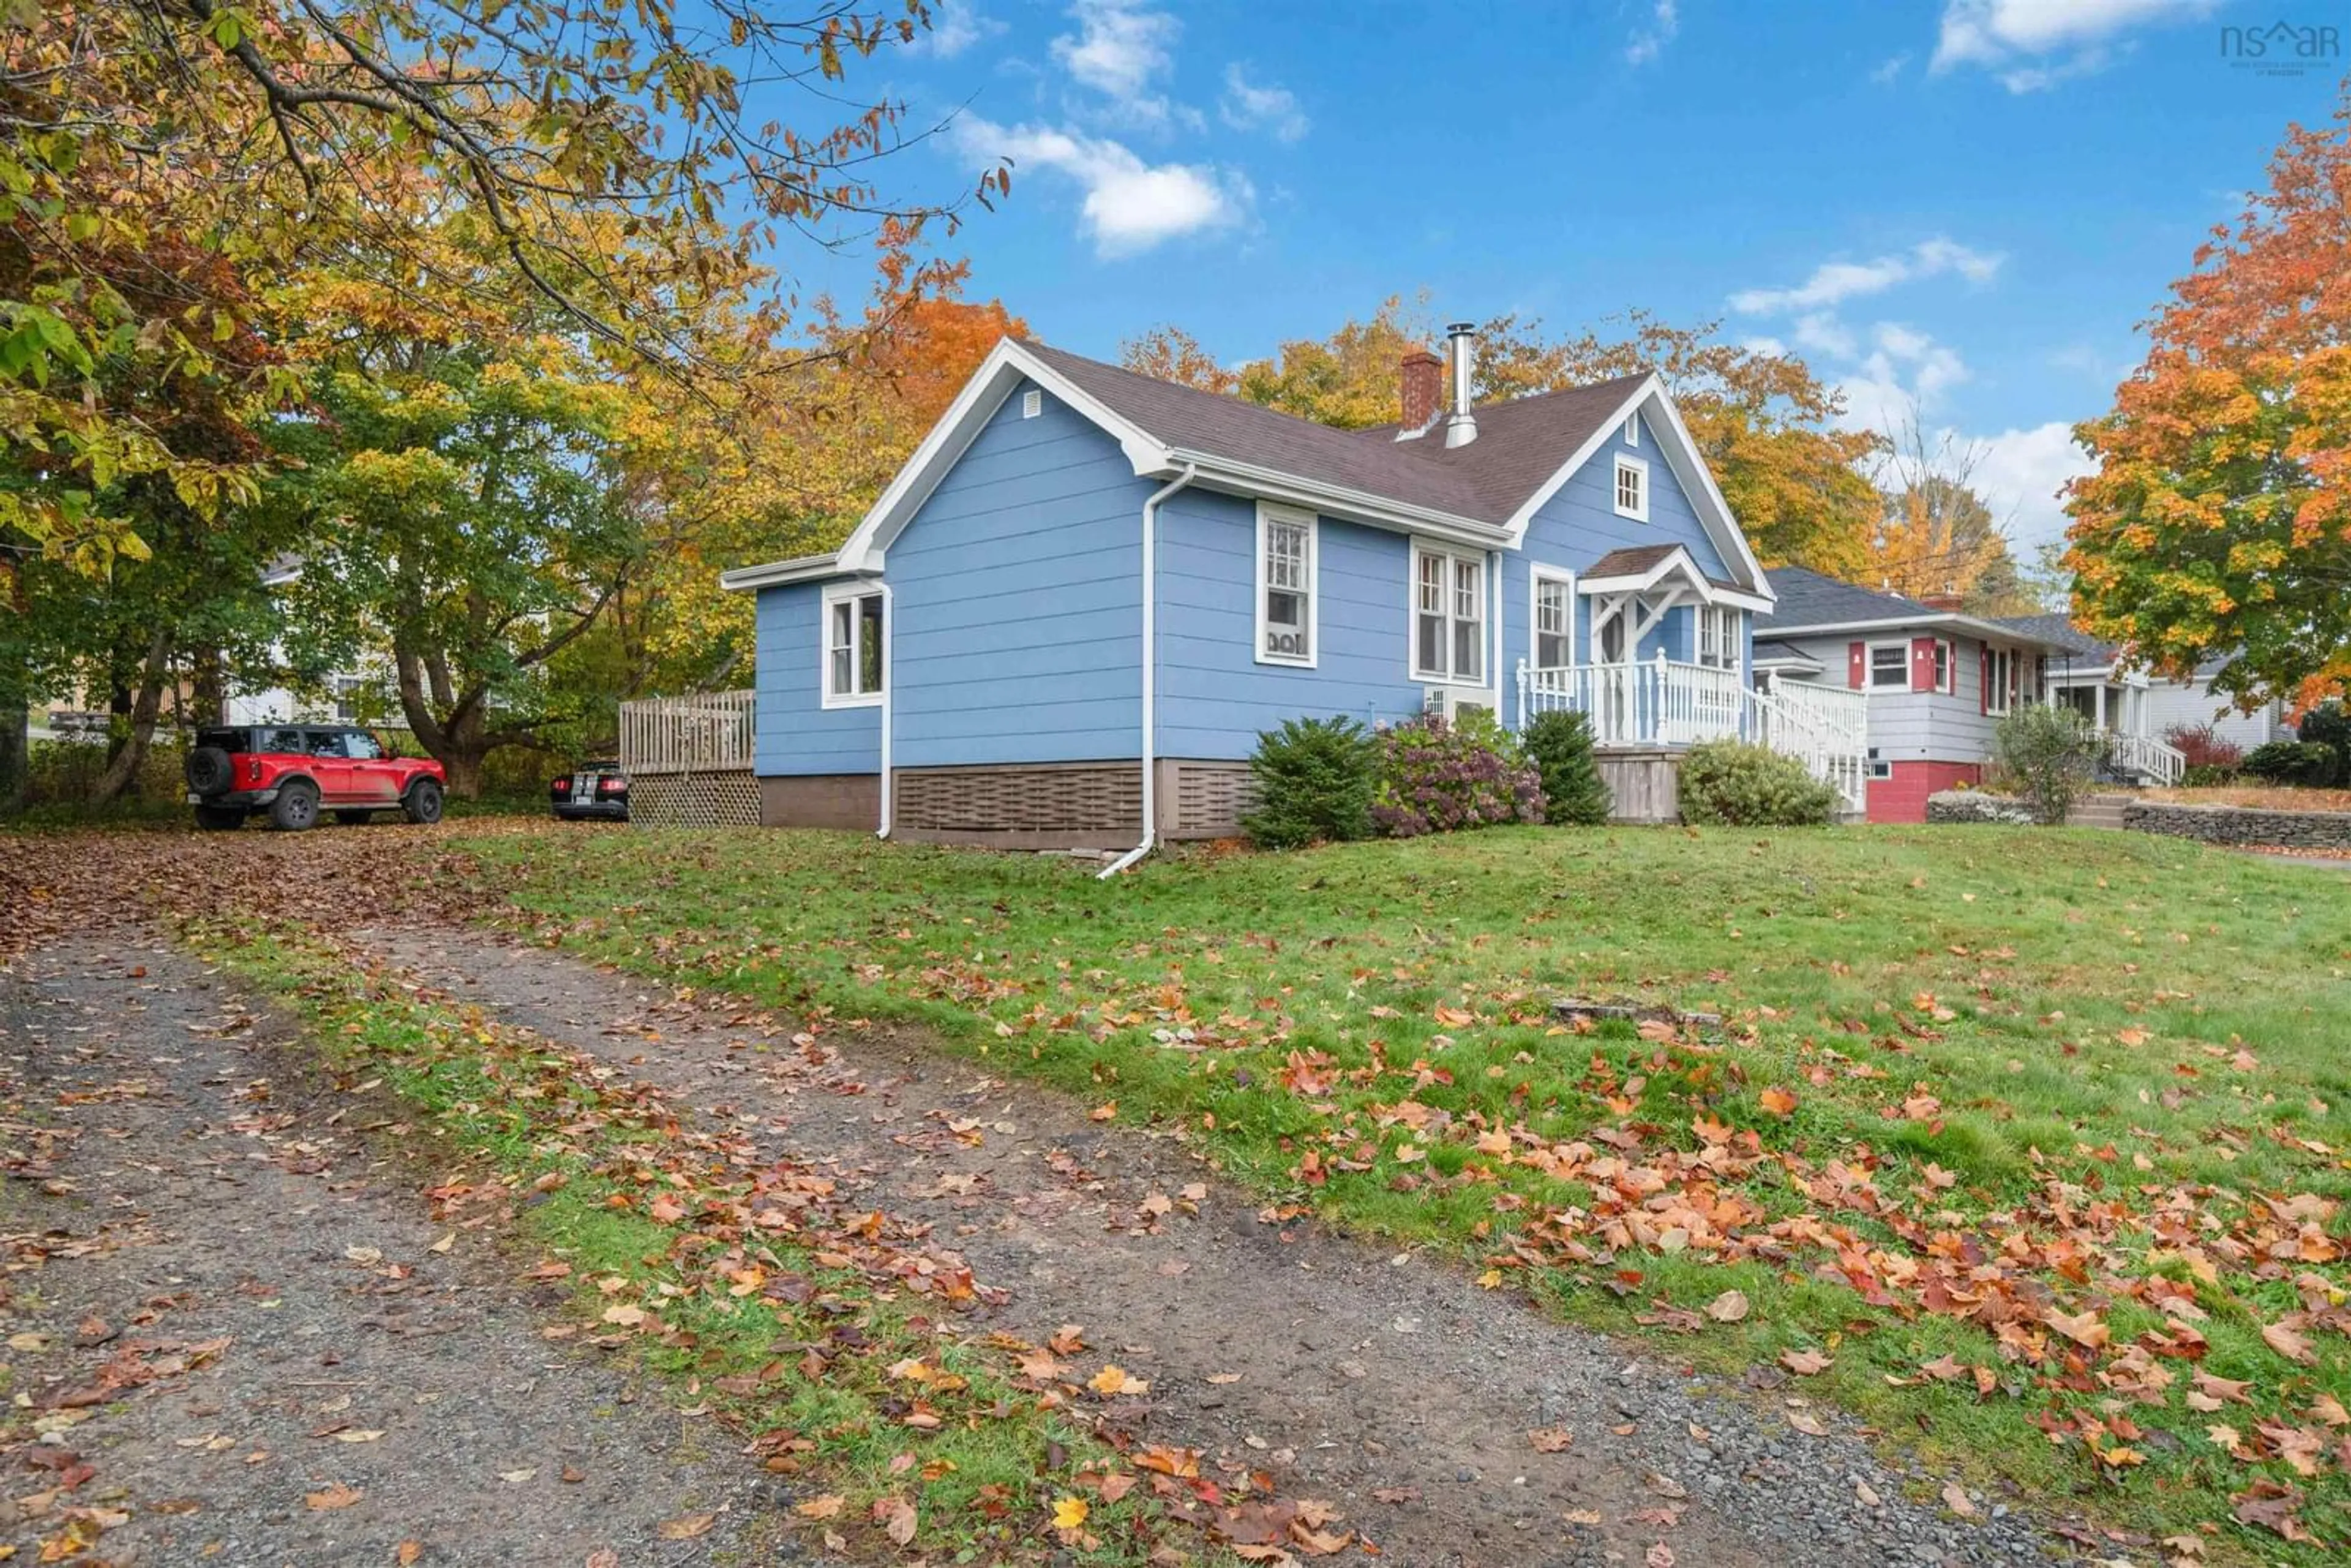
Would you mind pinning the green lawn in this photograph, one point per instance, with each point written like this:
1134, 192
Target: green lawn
2037, 1138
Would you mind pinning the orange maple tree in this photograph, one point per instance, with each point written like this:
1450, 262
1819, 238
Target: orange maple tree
2218, 522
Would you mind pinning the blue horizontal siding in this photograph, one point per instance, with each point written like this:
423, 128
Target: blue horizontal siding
794, 732
1018, 588
1214, 698
1579, 525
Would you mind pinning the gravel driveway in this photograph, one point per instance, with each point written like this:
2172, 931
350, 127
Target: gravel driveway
241, 1335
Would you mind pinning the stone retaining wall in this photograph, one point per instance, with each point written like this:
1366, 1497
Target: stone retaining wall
1977, 806
2242, 825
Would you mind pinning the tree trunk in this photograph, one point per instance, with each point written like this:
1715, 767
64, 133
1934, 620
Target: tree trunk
208, 686
122, 770
460, 741
15, 750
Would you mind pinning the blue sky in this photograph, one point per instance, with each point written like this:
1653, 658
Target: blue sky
1963, 205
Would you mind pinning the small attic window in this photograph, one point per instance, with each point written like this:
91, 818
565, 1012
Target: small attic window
1032, 404
1632, 430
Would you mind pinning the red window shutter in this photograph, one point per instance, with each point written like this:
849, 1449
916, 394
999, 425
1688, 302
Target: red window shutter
1856, 666
1922, 664
1983, 681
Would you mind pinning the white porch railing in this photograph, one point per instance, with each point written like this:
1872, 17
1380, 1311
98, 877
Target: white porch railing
2146, 755
1663, 702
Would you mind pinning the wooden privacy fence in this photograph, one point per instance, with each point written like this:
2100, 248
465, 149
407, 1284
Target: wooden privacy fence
689, 760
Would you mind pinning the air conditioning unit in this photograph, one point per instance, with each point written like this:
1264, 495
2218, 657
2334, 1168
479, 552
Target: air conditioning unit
1452, 702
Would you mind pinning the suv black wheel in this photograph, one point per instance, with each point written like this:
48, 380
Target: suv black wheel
210, 772
423, 801
220, 818
295, 808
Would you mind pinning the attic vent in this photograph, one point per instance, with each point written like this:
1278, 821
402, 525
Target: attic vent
1032, 404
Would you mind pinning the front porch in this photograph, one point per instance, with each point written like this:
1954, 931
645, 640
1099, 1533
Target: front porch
1643, 713
2116, 707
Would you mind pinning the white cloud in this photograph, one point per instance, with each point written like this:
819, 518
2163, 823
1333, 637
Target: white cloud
955, 26
1250, 107
1901, 380
2033, 45
1823, 334
1831, 283
1120, 50
2019, 474
1889, 69
1647, 43
1129, 205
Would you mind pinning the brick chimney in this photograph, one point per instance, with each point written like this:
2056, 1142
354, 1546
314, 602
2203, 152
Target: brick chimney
1424, 389
1947, 602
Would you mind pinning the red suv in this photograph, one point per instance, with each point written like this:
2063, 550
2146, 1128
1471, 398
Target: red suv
293, 770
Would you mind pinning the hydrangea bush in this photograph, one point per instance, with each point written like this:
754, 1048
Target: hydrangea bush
1437, 777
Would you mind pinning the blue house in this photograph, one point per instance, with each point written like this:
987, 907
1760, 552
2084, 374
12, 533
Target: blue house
1070, 616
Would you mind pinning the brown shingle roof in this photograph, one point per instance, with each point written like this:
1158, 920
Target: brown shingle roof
1521, 443
1631, 561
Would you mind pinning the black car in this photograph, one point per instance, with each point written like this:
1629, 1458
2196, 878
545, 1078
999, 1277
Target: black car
592, 789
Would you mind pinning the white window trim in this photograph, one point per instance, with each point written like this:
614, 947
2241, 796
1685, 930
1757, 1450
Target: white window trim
1536, 575
1451, 556
845, 593
1733, 621
1876, 764
1869, 667
1950, 684
1996, 703
1617, 488
1269, 512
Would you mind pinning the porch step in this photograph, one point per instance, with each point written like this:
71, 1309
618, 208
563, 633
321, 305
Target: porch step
2099, 812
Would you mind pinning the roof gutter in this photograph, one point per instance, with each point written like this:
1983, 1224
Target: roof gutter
1150, 672
1276, 486
1989, 630
800, 568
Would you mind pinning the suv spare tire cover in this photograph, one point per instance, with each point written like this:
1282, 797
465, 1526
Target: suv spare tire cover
209, 770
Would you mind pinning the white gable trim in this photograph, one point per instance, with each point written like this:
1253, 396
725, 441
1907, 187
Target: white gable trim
1682, 564
1671, 437
1006, 365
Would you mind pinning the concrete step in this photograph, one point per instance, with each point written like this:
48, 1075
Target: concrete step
2097, 811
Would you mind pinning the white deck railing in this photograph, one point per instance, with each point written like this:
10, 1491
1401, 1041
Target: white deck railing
2147, 757
1663, 702
707, 733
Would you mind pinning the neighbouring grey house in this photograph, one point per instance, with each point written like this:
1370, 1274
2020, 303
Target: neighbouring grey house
2090, 677
1072, 614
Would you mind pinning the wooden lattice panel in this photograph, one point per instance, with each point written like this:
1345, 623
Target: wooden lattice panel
1085, 800
1210, 798
695, 799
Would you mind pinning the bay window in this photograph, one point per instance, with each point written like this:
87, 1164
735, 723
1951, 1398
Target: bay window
2000, 683
1889, 666
1449, 621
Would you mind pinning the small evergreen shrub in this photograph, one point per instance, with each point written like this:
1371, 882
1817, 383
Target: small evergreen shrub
1560, 746
2208, 778
1437, 777
2048, 756
2329, 726
1313, 783
1734, 784
2201, 745
2301, 762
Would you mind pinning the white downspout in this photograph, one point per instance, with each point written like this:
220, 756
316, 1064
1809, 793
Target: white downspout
1150, 674
889, 687
1494, 609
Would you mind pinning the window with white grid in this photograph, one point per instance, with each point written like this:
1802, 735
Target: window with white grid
1285, 589
1554, 622
1448, 616
1632, 488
